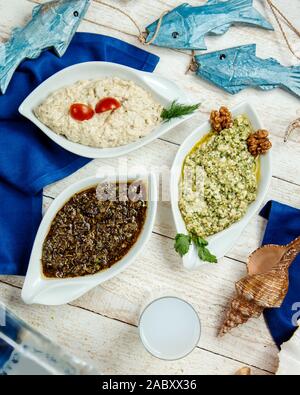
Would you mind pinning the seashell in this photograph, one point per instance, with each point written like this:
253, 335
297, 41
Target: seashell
244, 371
293, 126
289, 356
265, 285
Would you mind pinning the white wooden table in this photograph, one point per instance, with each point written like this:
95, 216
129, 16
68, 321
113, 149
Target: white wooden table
102, 325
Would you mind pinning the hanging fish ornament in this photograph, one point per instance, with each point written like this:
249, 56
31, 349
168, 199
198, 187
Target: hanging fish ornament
238, 68
185, 27
265, 285
53, 25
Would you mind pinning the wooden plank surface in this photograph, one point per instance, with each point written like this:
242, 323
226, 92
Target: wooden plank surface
105, 319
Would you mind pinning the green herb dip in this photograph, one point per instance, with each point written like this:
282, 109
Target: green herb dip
219, 180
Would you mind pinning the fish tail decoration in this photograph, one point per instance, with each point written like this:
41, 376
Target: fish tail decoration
7, 69
250, 15
293, 84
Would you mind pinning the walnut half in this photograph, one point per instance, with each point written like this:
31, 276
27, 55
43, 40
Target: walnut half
258, 142
221, 119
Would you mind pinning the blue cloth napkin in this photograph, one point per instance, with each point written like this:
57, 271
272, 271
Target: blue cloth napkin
283, 227
29, 160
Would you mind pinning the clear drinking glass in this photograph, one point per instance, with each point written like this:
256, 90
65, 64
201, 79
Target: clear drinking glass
24, 351
169, 326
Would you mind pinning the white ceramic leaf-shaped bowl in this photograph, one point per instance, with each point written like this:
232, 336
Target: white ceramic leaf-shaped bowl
163, 90
222, 242
39, 289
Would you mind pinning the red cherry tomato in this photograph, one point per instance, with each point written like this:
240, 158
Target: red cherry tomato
81, 112
107, 104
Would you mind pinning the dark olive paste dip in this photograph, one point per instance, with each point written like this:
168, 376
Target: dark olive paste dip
94, 229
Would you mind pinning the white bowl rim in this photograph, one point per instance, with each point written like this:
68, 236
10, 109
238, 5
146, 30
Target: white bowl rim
163, 89
231, 234
36, 283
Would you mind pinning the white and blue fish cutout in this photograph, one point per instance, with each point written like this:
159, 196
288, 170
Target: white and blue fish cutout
185, 27
53, 25
238, 68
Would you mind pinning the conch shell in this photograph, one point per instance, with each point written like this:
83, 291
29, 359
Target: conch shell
265, 285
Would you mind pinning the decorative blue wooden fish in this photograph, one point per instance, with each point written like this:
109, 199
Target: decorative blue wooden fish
185, 27
53, 24
235, 69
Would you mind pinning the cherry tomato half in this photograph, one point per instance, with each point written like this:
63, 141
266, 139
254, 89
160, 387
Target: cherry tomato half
81, 112
107, 104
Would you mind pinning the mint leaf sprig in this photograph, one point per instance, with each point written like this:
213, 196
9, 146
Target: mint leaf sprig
177, 110
183, 242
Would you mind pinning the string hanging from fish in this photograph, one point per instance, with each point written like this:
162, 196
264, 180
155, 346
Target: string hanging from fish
185, 27
53, 25
233, 69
